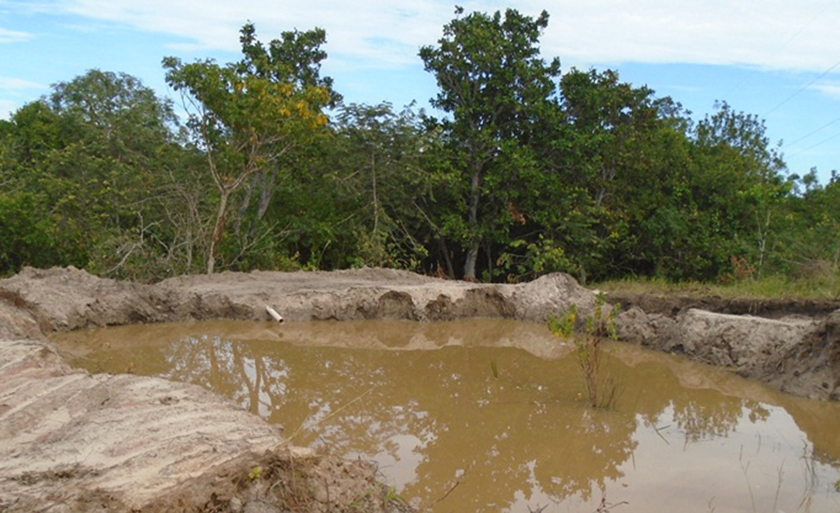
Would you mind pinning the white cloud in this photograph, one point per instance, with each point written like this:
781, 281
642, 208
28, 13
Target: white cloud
7, 107
16, 83
831, 89
764, 34
13, 36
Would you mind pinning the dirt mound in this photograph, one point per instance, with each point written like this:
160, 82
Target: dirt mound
811, 368
67, 299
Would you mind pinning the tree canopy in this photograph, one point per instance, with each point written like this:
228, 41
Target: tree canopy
520, 169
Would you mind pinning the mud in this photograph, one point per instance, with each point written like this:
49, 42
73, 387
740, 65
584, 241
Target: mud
73, 441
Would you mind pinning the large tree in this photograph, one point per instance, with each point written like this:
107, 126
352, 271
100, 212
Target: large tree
495, 87
84, 160
246, 116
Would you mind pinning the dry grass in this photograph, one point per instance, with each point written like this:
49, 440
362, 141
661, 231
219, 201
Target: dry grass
771, 287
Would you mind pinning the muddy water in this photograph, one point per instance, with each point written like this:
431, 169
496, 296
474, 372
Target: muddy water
488, 415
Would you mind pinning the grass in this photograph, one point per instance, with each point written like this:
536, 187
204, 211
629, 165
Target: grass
600, 387
771, 287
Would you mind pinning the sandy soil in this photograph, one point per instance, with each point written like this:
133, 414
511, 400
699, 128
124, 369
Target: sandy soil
70, 441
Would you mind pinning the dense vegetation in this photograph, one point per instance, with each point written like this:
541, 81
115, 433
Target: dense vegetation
527, 170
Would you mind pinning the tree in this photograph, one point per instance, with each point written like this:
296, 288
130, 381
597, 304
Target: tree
246, 116
739, 145
86, 160
605, 152
377, 154
494, 84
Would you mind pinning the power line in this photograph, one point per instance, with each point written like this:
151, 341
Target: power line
809, 134
806, 86
780, 48
815, 145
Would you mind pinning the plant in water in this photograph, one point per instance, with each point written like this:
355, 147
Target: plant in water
600, 387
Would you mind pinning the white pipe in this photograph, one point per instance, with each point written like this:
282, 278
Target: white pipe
273, 313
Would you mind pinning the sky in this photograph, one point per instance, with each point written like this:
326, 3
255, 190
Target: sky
778, 59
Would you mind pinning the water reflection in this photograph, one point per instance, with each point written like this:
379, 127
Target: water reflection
440, 423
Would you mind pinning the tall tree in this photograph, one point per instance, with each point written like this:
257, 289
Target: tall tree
737, 142
378, 154
494, 84
85, 159
246, 116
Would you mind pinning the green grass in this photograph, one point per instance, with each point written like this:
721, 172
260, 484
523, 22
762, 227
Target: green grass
771, 287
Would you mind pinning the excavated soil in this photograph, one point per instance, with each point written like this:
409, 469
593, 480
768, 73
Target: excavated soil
71, 441
674, 304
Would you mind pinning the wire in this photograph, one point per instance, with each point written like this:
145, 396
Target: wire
815, 145
806, 86
809, 134
778, 50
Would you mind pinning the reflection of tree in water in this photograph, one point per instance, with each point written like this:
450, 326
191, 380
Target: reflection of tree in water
503, 434
444, 415
703, 419
232, 368
699, 413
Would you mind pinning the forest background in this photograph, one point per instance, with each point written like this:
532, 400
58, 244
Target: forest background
523, 169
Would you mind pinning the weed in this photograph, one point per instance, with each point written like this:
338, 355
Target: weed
256, 473
837, 486
601, 389
494, 368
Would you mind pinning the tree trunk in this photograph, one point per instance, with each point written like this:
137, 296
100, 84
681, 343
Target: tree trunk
217, 232
469, 264
450, 269
246, 202
269, 182
472, 221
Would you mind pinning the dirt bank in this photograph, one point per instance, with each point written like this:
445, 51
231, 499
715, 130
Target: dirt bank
72, 441
796, 353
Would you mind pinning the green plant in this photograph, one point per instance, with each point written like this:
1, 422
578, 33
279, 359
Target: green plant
256, 473
600, 387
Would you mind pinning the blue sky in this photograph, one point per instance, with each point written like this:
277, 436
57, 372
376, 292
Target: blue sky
777, 59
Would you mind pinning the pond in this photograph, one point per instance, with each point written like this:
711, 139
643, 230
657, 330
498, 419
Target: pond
490, 415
